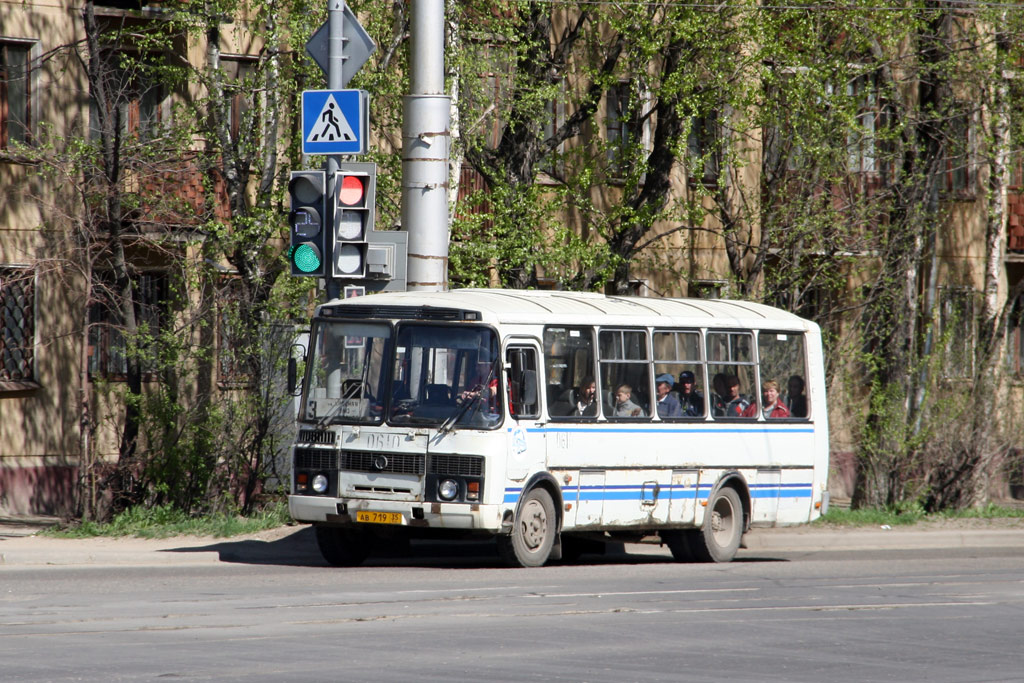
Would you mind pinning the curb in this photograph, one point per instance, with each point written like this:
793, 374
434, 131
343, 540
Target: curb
802, 539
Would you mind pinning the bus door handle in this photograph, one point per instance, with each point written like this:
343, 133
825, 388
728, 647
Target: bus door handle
649, 493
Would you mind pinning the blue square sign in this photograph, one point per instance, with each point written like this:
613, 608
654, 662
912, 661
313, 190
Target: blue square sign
335, 121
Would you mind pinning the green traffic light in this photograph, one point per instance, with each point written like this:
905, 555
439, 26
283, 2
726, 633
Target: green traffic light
306, 258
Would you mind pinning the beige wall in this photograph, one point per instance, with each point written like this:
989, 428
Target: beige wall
39, 423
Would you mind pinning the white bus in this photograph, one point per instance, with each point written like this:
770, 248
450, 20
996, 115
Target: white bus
554, 420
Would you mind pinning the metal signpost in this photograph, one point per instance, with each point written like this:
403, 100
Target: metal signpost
335, 122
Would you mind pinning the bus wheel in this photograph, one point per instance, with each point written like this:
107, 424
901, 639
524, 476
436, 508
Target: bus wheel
533, 534
719, 538
343, 547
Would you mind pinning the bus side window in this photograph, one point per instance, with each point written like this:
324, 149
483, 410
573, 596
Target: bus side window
625, 374
783, 360
524, 399
731, 365
677, 353
569, 373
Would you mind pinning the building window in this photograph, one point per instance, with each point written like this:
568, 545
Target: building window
554, 118
15, 93
17, 327
133, 98
702, 152
627, 129
487, 92
617, 120
231, 368
957, 175
1015, 338
707, 289
639, 287
108, 347
956, 330
863, 140
238, 89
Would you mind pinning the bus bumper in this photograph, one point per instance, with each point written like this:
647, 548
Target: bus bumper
343, 512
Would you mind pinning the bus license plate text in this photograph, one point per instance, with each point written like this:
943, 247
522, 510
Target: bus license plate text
375, 517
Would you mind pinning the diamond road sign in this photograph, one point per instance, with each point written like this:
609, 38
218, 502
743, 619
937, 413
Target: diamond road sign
335, 121
358, 46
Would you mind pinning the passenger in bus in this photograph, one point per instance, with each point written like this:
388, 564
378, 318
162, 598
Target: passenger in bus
668, 404
772, 406
475, 387
586, 403
624, 406
691, 400
718, 393
735, 404
795, 399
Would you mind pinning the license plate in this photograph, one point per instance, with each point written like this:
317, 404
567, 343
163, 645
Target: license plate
374, 517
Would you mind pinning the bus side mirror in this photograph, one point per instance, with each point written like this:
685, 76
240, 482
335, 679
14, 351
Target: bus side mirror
530, 387
293, 367
293, 375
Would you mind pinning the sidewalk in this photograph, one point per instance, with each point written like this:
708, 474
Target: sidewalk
294, 545
966, 533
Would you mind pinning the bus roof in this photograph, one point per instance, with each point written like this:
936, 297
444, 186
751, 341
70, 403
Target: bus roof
510, 306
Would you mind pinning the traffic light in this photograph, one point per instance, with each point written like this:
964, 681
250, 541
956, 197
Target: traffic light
306, 222
354, 209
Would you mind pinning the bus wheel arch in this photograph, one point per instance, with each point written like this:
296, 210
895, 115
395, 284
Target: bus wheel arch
534, 533
725, 521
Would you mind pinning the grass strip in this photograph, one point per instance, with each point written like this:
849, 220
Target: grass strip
164, 521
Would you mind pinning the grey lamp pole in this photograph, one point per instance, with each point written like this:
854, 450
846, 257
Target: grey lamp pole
426, 143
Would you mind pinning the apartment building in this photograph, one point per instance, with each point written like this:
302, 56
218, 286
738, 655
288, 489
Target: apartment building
62, 349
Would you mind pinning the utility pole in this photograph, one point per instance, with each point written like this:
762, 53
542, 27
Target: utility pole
332, 211
426, 148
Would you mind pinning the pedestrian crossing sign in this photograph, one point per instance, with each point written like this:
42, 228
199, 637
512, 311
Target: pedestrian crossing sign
335, 121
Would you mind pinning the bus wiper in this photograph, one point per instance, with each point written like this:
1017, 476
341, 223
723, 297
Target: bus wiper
449, 424
331, 414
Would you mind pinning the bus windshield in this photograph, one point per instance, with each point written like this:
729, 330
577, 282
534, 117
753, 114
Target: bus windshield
439, 375
446, 375
348, 373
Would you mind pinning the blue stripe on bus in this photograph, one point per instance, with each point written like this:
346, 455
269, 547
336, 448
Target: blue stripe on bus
676, 492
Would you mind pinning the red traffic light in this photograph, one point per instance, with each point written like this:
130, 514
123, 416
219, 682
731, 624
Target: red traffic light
351, 190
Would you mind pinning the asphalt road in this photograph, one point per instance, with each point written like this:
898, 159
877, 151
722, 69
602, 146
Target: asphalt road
271, 611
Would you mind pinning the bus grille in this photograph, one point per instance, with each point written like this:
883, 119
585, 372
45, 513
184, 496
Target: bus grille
395, 463
457, 465
315, 459
322, 436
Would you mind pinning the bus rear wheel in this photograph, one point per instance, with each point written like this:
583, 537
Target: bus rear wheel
719, 537
533, 534
343, 547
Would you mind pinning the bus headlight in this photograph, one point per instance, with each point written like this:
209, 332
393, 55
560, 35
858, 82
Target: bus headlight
320, 483
448, 489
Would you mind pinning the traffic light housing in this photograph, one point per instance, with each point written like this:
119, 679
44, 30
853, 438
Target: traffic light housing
355, 188
306, 222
